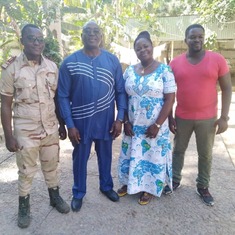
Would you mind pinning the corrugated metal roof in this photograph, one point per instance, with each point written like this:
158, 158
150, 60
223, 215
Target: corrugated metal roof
173, 28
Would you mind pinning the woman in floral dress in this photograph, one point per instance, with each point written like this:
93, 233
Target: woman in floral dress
145, 162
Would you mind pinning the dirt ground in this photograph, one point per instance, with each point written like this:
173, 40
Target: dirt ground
182, 213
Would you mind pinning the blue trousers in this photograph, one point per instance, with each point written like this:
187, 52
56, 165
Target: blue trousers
81, 155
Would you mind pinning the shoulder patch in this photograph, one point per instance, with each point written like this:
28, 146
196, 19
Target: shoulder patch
8, 62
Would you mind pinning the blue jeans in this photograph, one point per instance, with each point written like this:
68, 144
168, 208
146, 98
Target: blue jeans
205, 134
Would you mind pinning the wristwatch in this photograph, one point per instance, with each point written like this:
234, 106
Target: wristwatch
157, 125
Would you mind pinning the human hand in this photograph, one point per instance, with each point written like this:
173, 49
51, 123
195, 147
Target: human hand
116, 129
221, 125
172, 125
74, 135
62, 132
152, 131
128, 129
12, 144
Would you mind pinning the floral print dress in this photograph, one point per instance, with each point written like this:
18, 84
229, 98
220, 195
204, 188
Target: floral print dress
145, 165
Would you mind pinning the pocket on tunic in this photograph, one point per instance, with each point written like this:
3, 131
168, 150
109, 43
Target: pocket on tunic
24, 90
51, 84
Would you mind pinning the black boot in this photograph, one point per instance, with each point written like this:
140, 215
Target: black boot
24, 212
57, 201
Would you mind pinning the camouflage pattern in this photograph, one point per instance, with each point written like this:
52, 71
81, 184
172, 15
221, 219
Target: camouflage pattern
35, 124
33, 88
47, 148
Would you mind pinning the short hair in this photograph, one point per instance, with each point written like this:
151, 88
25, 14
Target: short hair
193, 26
24, 29
143, 34
90, 22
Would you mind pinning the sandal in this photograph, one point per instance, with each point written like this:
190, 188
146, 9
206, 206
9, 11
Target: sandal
145, 198
122, 191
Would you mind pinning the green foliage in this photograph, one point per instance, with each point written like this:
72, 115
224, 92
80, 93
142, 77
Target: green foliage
114, 17
210, 42
223, 11
209, 10
14, 14
20, 12
121, 20
52, 50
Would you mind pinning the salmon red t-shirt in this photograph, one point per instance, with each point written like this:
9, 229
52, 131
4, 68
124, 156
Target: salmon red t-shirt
196, 85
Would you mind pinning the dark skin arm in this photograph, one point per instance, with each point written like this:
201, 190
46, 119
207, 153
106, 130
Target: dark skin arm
116, 129
221, 123
74, 135
226, 89
128, 126
172, 123
152, 130
6, 116
62, 130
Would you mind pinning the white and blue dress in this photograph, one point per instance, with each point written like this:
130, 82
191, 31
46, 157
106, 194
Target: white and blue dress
145, 165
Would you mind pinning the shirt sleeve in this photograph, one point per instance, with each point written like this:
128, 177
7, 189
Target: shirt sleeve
6, 83
64, 87
223, 66
169, 81
120, 93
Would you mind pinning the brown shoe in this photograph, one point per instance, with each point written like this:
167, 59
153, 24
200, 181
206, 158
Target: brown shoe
122, 191
145, 198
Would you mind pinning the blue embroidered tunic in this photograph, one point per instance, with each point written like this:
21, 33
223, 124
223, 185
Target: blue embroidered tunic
87, 91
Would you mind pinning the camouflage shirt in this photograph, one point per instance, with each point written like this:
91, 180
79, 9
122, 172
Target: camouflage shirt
33, 89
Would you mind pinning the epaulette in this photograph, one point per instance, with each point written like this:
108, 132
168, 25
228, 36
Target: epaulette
8, 62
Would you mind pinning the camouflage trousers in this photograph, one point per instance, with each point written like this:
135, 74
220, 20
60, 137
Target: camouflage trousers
36, 148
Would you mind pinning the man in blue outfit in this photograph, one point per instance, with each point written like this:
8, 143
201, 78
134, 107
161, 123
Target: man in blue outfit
90, 81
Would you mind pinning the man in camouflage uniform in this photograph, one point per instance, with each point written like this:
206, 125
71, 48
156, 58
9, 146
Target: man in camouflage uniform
31, 80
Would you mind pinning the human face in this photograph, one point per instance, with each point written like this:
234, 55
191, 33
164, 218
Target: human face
33, 42
195, 40
144, 50
91, 36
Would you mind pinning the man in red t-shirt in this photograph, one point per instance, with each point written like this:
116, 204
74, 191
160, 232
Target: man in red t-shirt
196, 73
